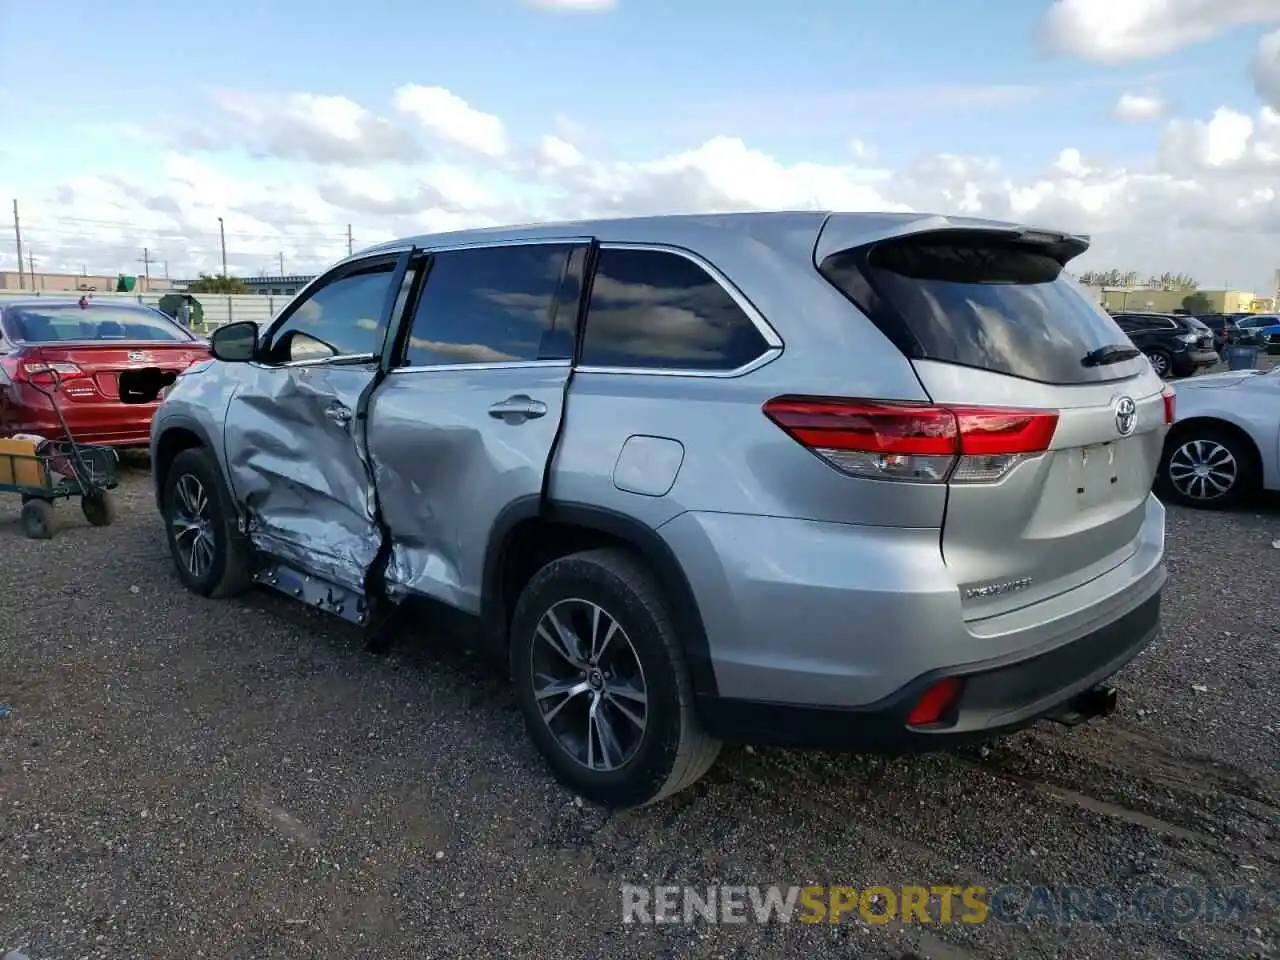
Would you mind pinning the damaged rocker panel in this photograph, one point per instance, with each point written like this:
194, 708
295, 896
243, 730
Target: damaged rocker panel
314, 592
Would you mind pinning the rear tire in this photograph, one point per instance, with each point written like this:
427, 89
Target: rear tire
1207, 467
200, 521
38, 519
591, 738
1161, 363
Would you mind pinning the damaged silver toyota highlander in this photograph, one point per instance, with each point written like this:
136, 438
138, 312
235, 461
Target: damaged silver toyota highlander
865, 482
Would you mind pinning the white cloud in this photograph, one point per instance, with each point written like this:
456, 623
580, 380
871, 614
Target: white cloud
453, 121
303, 126
1207, 202
1111, 32
1138, 108
1229, 141
1265, 69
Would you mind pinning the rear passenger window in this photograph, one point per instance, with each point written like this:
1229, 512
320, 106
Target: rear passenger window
659, 310
487, 305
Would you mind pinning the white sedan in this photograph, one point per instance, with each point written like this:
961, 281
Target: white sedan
1225, 441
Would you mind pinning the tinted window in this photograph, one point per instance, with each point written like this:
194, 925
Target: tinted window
979, 302
650, 308
487, 305
1145, 322
342, 318
53, 323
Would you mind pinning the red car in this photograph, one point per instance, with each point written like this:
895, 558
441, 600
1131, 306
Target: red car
83, 347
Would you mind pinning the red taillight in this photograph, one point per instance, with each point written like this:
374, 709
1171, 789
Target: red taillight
914, 441
1170, 397
40, 372
934, 703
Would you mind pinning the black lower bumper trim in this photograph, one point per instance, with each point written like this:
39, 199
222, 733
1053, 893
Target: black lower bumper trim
998, 697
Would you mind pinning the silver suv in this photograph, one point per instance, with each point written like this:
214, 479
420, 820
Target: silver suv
873, 482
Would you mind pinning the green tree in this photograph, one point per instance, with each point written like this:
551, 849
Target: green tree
216, 283
1110, 278
1174, 281
1197, 303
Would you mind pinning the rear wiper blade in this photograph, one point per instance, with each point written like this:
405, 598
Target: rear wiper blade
1113, 353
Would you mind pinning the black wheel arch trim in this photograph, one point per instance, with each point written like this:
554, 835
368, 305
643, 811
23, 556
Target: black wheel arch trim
177, 422
690, 628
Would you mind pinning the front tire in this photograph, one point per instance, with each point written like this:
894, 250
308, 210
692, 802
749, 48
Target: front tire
1207, 467
601, 681
210, 555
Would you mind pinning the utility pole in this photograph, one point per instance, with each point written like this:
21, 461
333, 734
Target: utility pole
17, 235
146, 269
282, 263
349, 242
222, 233
31, 262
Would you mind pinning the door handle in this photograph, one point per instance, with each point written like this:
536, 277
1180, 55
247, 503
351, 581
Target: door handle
518, 406
338, 413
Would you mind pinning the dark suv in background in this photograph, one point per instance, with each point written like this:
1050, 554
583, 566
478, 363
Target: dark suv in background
1176, 344
1225, 329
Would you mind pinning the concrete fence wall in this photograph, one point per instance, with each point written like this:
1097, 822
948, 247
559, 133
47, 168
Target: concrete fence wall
218, 309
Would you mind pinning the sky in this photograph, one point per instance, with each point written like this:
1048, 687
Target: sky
1152, 125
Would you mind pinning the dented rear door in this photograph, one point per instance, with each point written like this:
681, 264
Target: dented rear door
467, 421
295, 430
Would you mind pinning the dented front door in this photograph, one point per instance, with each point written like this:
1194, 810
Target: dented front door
295, 429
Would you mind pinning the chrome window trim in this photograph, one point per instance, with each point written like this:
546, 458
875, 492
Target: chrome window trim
767, 357
485, 365
345, 359
771, 337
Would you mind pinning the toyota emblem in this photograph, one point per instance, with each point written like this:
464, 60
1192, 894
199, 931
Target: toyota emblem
1126, 416
137, 356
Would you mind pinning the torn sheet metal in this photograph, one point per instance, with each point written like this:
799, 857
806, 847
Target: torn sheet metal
296, 459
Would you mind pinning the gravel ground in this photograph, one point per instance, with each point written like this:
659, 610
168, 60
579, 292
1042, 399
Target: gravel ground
185, 778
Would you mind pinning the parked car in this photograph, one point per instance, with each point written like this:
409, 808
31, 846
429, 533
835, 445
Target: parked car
694, 481
1225, 330
1269, 336
1252, 325
1176, 344
1225, 443
83, 347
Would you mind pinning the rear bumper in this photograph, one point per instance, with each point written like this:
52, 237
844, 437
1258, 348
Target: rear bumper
999, 696
109, 424
1193, 360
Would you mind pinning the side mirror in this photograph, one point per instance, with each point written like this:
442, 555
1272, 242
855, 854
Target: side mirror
235, 342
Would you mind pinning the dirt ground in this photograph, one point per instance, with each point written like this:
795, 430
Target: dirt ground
187, 778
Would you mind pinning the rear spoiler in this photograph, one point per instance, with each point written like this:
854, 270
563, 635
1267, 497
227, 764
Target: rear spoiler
845, 231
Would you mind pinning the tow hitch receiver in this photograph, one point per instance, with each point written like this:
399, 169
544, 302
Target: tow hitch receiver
1099, 701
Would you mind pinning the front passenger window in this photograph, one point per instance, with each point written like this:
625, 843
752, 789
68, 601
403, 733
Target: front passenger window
340, 319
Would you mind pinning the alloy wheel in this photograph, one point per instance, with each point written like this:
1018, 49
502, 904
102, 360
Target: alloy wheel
192, 525
1203, 470
589, 685
1159, 363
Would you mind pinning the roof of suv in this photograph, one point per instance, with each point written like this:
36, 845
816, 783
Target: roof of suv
855, 227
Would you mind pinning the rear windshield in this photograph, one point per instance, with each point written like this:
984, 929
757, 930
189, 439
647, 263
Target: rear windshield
980, 302
52, 324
